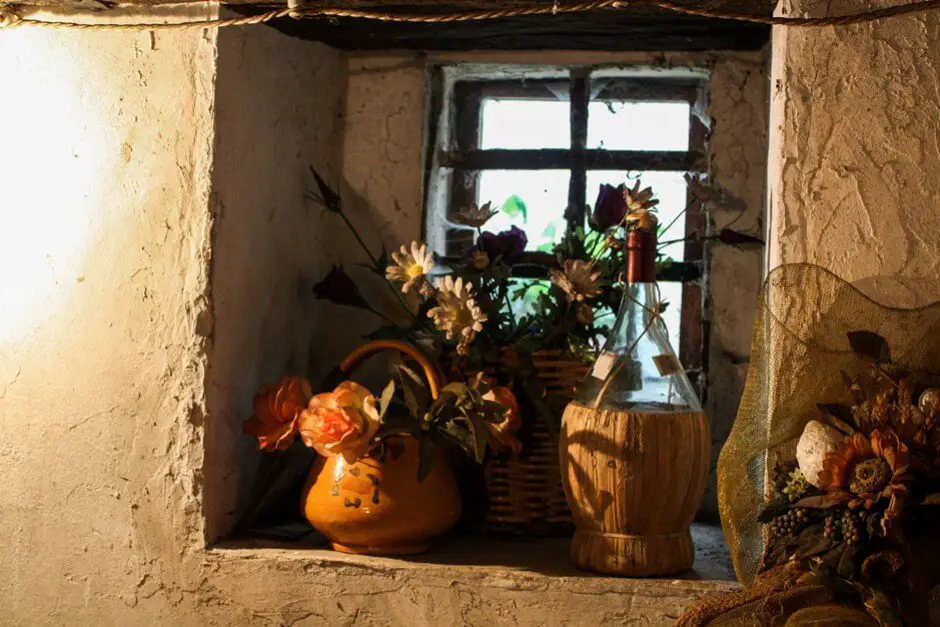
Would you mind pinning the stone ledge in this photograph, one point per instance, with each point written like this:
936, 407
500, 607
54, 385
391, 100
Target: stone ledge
472, 580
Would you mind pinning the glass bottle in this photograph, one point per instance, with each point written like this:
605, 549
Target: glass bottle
637, 370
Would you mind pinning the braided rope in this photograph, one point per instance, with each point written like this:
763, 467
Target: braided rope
9, 19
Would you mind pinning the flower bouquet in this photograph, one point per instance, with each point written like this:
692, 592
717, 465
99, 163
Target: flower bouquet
864, 484
829, 483
389, 449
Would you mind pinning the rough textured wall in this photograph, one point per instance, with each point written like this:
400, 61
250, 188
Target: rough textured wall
277, 112
106, 181
738, 163
855, 145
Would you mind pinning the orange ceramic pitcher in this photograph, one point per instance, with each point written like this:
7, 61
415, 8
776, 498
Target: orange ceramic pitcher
376, 506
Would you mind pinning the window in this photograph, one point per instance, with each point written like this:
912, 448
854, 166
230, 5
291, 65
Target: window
539, 148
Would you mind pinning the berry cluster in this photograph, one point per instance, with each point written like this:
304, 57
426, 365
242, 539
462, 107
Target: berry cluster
789, 523
847, 527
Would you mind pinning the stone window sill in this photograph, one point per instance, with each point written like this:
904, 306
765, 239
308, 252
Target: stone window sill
476, 580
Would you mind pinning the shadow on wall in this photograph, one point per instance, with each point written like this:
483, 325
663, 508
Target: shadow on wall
269, 244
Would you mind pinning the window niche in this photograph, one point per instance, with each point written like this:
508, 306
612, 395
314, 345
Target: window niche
381, 109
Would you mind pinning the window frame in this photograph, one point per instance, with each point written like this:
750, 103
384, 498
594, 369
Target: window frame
462, 158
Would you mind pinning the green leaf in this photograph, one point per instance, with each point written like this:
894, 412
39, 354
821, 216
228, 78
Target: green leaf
416, 393
480, 434
427, 457
515, 207
455, 388
386, 398
870, 345
550, 231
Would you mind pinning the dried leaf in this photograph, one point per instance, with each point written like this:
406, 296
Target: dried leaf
839, 416
881, 608
854, 389
870, 345
816, 502
813, 541
846, 567
932, 499
773, 509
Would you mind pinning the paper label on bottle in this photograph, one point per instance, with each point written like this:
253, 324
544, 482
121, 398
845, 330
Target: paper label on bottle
667, 365
603, 365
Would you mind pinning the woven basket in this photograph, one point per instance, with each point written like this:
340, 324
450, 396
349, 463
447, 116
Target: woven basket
524, 493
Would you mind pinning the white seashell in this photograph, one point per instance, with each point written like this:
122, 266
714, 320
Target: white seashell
817, 440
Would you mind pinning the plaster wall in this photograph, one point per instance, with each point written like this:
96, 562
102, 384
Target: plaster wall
106, 179
383, 169
855, 146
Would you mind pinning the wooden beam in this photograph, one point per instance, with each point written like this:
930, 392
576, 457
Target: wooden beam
563, 159
580, 96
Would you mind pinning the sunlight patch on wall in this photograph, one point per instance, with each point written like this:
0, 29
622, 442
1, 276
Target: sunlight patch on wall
53, 149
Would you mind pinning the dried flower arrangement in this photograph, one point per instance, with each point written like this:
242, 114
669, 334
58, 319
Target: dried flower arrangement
848, 511
483, 304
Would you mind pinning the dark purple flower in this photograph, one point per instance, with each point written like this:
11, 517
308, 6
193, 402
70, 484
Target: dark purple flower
610, 208
506, 244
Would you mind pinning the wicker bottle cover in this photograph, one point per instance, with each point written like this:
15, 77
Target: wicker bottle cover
634, 442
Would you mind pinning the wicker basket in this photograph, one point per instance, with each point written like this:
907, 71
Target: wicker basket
524, 493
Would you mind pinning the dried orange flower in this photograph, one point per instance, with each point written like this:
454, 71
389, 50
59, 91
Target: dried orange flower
863, 470
277, 409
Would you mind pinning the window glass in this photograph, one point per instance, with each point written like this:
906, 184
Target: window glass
670, 189
631, 125
520, 123
671, 292
533, 200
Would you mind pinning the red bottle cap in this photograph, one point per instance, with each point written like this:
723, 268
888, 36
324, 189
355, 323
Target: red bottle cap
641, 256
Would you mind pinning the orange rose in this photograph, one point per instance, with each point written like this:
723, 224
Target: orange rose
502, 435
277, 409
341, 422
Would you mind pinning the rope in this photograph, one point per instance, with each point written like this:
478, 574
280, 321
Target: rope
10, 19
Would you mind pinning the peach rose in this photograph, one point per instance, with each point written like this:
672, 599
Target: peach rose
277, 409
502, 435
341, 422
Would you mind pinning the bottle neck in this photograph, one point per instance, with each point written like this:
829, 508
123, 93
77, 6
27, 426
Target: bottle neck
641, 256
